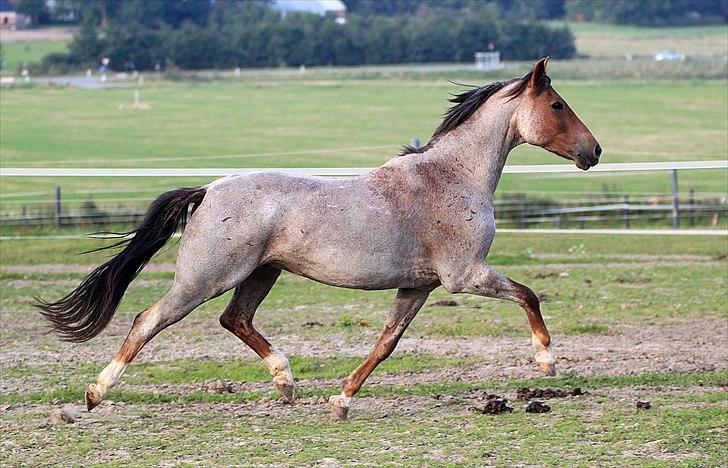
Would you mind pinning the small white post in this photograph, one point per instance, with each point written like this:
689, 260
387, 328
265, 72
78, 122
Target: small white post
675, 201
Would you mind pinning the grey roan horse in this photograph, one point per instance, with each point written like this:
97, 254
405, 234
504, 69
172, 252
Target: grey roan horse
421, 220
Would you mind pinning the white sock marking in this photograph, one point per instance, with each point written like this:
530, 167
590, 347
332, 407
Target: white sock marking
110, 376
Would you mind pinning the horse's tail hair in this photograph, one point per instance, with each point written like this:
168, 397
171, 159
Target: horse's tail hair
88, 309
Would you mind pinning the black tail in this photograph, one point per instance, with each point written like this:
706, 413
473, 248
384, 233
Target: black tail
87, 310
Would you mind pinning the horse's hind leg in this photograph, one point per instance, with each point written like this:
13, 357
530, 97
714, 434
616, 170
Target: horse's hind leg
179, 301
238, 319
406, 305
176, 304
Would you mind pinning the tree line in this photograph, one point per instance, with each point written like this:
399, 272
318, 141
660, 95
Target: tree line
251, 34
175, 12
649, 12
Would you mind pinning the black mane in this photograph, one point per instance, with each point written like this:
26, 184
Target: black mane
467, 102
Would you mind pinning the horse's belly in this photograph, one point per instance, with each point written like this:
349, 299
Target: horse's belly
359, 269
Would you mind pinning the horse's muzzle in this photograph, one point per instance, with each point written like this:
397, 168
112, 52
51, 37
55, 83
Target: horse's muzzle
589, 158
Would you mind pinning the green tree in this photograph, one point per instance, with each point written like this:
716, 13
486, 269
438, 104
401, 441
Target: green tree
649, 12
86, 46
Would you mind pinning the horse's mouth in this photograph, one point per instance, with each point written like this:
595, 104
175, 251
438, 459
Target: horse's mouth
582, 164
585, 163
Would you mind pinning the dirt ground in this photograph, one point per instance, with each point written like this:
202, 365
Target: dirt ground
163, 424
45, 34
694, 346
440, 426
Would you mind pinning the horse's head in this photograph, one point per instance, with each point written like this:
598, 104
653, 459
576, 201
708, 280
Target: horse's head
544, 119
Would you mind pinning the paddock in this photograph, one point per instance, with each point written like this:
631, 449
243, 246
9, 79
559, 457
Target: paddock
636, 315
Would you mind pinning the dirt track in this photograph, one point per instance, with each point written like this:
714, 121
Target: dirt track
694, 346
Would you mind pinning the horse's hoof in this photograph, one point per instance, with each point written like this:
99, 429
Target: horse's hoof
286, 390
340, 406
548, 369
93, 397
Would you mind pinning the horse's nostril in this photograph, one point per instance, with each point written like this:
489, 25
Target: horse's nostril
598, 150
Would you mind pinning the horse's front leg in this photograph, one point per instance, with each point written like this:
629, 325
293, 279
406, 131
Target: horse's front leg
406, 305
485, 281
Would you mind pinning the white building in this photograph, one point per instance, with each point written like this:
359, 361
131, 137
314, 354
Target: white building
318, 7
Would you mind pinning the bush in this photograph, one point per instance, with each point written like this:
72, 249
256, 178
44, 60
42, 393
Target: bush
55, 63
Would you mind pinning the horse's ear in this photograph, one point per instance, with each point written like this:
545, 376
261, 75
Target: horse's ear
539, 70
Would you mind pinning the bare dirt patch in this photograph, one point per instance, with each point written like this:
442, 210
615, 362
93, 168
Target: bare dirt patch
44, 34
694, 347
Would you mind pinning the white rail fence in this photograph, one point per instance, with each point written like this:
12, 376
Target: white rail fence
338, 171
608, 209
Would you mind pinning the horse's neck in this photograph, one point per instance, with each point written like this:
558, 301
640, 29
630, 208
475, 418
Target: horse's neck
478, 148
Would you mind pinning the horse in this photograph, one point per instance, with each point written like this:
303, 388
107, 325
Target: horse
422, 220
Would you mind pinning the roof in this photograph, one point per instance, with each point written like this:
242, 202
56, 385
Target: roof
6, 5
320, 7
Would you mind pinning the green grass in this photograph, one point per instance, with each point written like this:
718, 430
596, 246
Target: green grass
607, 40
74, 393
507, 249
15, 54
202, 428
184, 371
224, 124
582, 292
429, 423
587, 289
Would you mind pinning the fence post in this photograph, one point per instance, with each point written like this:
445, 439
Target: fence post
625, 212
692, 212
58, 206
675, 201
522, 211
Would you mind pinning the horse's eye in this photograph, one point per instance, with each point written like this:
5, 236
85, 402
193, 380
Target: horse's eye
557, 105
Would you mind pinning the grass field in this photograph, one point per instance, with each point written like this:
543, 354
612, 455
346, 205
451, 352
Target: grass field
338, 123
609, 40
633, 319
15, 54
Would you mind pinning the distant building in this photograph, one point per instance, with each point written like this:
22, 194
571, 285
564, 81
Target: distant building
8, 15
488, 61
318, 7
